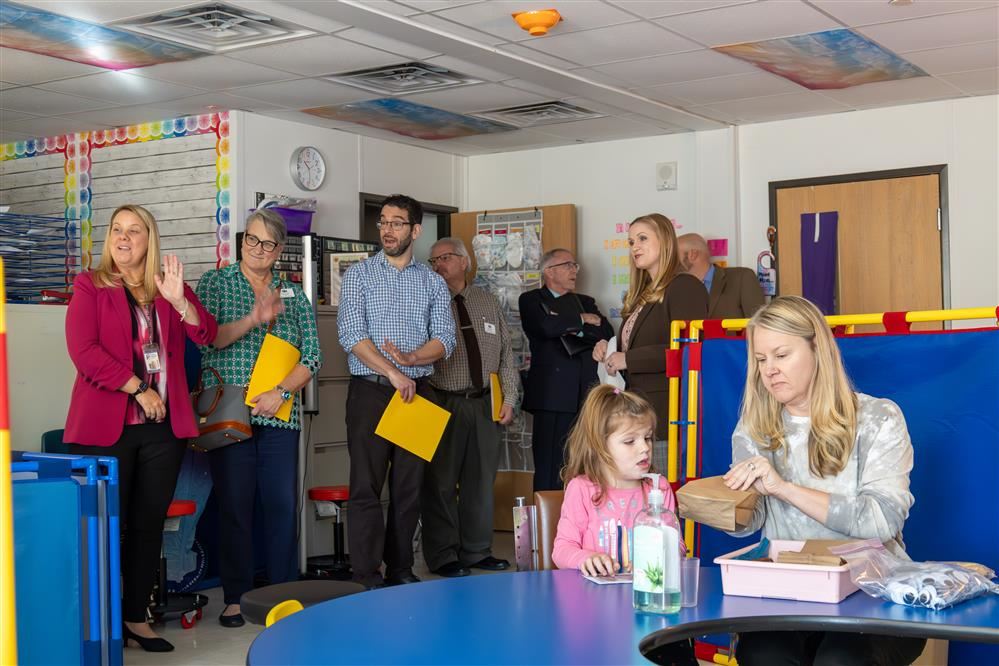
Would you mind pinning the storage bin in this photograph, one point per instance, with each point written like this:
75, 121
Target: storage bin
799, 582
299, 222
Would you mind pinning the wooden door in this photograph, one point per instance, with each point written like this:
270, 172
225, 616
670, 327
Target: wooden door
889, 244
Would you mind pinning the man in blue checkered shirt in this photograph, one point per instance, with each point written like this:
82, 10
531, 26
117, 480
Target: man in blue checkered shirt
394, 321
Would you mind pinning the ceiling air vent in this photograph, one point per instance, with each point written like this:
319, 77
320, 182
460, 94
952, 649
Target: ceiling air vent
409, 77
545, 113
215, 27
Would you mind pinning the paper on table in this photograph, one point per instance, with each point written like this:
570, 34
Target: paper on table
609, 580
617, 381
416, 426
276, 359
496, 395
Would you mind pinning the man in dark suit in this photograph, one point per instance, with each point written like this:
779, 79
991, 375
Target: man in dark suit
733, 293
562, 327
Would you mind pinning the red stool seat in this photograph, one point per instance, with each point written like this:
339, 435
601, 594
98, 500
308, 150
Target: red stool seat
329, 493
182, 508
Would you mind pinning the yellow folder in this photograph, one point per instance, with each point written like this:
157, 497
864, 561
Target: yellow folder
416, 426
276, 359
496, 393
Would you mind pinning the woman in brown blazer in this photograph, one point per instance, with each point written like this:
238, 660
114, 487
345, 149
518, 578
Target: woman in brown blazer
658, 293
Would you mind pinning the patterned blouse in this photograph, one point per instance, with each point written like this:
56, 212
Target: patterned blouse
228, 295
625, 340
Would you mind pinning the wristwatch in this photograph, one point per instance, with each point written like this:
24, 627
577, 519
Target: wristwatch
143, 386
285, 393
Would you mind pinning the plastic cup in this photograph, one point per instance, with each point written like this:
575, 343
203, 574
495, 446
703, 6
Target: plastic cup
690, 570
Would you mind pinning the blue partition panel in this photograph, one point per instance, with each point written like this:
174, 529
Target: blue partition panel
947, 385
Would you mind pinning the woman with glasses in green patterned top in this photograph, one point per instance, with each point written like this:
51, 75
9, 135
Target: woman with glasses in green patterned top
246, 298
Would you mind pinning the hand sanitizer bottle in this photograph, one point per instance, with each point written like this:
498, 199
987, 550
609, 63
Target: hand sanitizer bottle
656, 556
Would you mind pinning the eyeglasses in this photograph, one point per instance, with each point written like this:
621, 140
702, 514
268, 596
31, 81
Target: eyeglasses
573, 266
394, 225
253, 241
442, 257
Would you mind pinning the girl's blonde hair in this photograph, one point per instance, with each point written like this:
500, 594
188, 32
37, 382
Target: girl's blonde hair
832, 401
604, 411
107, 274
642, 288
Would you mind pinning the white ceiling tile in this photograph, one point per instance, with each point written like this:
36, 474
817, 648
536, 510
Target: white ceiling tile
937, 31
864, 12
598, 107
307, 118
105, 11
212, 73
374, 40
598, 129
956, 58
41, 127
889, 93
46, 103
750, 22
538, 57
777, 106
659, 94
318, 55
620, 42
433, 5
724, 88
122, 116
4, 85
495, 17
302, 14
657, 8
982, 82
457, 29
523, 138
121, 88
714, 114
471, 69
675, 68
392, 7
28, 68
7, 116
214, 101
304, 94
482, 97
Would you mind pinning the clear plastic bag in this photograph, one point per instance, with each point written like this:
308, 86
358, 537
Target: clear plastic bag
482, 247
934, 585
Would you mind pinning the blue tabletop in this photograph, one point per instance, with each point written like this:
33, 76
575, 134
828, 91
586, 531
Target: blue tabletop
558, 617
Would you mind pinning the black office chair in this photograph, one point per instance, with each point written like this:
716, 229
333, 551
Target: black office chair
52, 442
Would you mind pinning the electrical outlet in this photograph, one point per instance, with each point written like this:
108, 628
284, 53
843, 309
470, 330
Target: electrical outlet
666, 176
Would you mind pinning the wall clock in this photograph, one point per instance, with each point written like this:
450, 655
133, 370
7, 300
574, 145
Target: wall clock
308, 168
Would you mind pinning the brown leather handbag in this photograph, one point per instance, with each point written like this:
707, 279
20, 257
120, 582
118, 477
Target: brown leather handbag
222, 414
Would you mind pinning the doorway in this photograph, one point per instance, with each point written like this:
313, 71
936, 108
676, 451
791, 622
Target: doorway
436, 223
892, 238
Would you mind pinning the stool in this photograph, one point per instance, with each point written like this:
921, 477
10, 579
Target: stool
330, 501
256, 604
187, 605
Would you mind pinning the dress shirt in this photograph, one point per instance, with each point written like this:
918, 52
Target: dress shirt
410, 307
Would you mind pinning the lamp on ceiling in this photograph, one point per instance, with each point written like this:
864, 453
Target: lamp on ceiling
537, 22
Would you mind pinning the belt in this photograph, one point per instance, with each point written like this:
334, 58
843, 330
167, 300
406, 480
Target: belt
383, 380
470, 395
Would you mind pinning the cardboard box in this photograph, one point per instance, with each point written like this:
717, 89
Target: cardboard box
710, 502
509, 485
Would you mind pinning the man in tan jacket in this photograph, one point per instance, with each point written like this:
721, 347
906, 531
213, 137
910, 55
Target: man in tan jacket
733, 293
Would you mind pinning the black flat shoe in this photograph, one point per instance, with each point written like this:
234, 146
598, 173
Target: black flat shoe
491, 564
231, 621
453, 570
148, 644
402, 578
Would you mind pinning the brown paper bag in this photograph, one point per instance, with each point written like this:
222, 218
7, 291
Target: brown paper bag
816, 552
710, 502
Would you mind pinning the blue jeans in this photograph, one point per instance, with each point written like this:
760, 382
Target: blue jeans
267, 464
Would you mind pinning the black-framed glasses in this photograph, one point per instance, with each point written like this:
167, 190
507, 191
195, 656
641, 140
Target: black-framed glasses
394, 225
441, 257
253, 241
571, 264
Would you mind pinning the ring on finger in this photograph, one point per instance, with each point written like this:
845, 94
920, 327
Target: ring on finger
752, 467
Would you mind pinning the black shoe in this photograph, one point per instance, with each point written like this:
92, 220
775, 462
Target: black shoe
402, 578
231, 621
491, 564
452, 570
148, 644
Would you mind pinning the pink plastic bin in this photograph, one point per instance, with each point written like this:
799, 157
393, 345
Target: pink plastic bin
799, 582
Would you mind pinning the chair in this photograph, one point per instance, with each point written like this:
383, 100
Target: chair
330, 501
187, 605
283, 610
256, 604
548, 504
52, 442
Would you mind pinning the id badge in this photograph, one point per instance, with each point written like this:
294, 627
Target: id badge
287, 292
151, 353
490, 328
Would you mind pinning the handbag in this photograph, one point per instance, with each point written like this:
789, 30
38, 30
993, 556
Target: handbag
222, 414
573, 342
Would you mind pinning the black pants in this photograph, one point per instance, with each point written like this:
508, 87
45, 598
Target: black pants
548, 443
821, 648
372, 458
457, 497
149, 458
264, 466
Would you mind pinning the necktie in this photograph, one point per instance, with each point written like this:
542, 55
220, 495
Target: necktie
471, 343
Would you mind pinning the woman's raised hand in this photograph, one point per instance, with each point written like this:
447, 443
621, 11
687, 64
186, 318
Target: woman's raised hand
267, 307
171, 284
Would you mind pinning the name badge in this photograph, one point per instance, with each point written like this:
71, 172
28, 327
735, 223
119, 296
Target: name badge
287, 292
490, 328
151, 354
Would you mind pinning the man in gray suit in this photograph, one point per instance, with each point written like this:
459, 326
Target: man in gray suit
733, 293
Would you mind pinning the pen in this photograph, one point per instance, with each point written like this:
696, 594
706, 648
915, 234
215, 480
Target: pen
619, 559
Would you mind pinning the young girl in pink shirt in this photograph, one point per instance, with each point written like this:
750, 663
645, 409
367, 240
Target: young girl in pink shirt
609, 449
